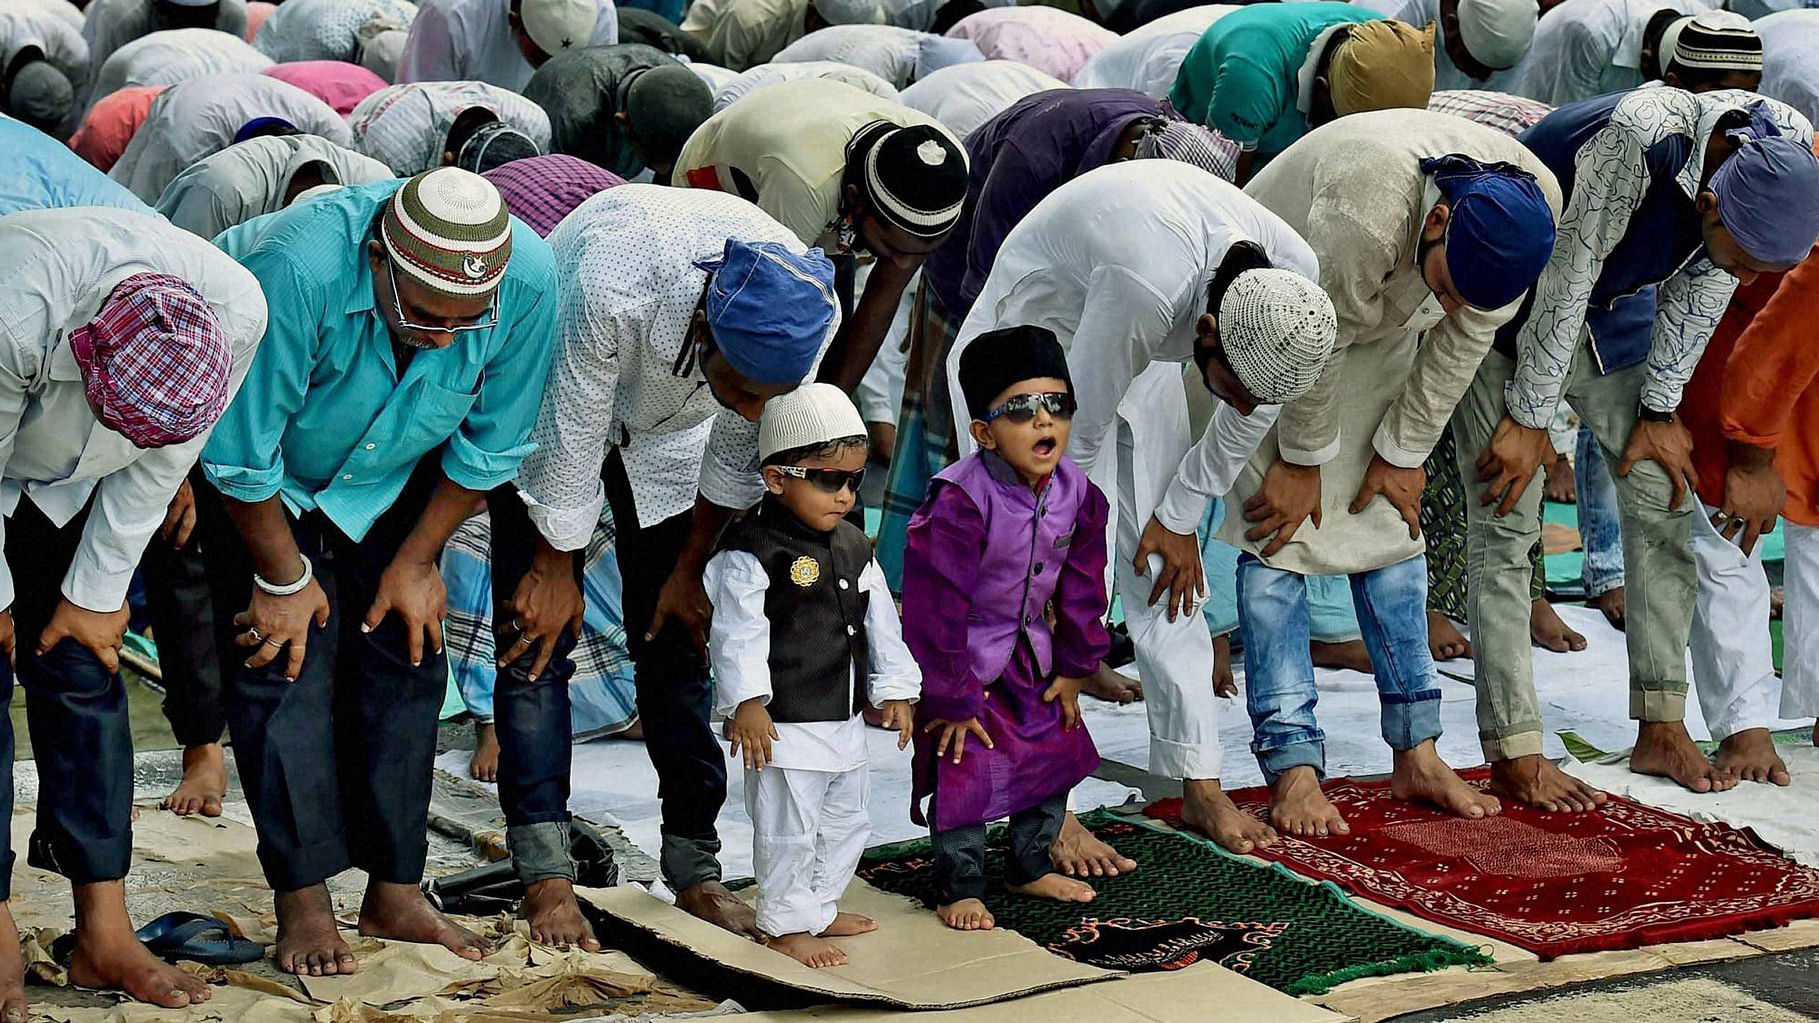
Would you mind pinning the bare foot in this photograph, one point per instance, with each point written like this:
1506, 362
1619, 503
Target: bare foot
966, 915
13, 1008
1420, 776
401, 913
1224, 684
204, 782
1106, 684
711, 901
1079, 852
1539, 782
1612, 603
1299, 808
1751, 756
554, 916
309, 942
1561, 487
808, 950
1665, 750
1546, 629
1444, 640
1777, 598
1350, 654
846, 925
1207, 809
108, 956
1059, 887
485, 764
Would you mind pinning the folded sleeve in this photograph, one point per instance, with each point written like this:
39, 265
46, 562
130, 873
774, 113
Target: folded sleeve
1212, 464
1445, 363
244, 456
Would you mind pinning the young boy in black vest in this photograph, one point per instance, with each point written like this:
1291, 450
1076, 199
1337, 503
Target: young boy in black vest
805, 635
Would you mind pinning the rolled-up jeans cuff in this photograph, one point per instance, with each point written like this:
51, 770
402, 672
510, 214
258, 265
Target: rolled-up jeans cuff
1275, 762
1509, 747
1186, 761
1411, 722
687, 862
1658, 704
540, 851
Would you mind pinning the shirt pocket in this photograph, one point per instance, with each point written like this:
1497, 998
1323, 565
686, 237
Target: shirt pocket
439, 411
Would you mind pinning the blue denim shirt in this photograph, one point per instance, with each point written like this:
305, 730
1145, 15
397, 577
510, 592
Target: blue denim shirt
324, 419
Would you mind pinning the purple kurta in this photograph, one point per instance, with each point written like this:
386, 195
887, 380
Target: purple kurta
986, 557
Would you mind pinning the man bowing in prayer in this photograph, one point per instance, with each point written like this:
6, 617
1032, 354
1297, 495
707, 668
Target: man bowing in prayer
1140, 267
1428, 228
683, 312
1670, 192
409, 342
124, 338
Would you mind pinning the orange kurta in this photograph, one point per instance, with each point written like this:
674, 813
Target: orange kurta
1755, 384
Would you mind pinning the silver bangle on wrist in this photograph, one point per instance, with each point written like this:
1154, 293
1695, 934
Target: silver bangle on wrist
290, 589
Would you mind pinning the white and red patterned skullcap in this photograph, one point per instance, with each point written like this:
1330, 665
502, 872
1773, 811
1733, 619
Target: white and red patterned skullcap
155, 361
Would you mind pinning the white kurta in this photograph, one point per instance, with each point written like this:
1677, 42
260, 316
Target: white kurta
111, 24
405, 126
965, 96
36, 23
193, 119
764, 76
61, 267
808, 808
1790, 60
327, 29
166, 58
472, 41
250, 179
1586, 48
1117, 263
889, 52
741, 34
1148, 58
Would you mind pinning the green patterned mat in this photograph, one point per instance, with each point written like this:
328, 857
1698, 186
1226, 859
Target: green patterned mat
1188, 902
1586, 753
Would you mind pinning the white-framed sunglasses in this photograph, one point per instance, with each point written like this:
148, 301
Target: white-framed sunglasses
488, 319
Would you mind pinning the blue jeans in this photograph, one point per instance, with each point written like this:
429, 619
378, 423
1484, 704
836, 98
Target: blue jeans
1329, 598
1279, 690
1600, 530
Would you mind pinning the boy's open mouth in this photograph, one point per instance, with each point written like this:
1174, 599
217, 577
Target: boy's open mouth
1045, 446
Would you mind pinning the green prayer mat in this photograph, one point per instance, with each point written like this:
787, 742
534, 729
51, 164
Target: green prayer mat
1190, 901
1586, 753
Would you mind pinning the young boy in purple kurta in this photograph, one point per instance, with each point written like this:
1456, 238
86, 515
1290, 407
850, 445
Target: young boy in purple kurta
1004, 534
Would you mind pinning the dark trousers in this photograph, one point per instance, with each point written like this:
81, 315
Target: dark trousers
337, 765
181, 613
675, 694
532, 718
76, 710
960, 852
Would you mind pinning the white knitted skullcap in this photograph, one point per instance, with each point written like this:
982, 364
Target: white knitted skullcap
559, 25
1278, 329
1497, 32
809, 415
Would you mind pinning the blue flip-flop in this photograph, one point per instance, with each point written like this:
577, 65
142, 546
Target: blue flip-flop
195, 938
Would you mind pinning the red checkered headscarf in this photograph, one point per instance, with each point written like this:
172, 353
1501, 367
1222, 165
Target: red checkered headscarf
155, 361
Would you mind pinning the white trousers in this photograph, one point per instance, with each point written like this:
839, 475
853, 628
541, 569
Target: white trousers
1174, 658
808, 831
1733, 655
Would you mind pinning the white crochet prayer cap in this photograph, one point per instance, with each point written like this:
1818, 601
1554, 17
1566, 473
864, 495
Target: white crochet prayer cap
1497, 32
559, 25
809, 415
1278, 329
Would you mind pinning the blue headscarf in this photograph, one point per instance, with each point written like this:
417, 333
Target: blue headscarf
770, 309
1501, 232
1768, 197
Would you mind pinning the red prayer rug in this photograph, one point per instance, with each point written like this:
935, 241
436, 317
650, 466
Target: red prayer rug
1554, 884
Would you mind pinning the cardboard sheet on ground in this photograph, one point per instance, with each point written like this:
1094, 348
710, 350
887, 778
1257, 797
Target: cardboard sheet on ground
1191, 995
912, 961
614, 783
1782, 817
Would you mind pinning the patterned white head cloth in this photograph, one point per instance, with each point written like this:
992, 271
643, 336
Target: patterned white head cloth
1190, 143
1278, 329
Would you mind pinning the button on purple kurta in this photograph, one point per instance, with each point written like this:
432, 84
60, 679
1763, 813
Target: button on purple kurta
986, 557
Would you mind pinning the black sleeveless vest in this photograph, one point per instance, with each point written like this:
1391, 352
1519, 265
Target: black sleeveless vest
816, 611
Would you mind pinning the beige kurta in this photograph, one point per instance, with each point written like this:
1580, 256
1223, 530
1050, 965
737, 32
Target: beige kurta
1353, 188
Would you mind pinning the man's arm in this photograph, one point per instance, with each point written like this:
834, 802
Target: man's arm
1688, 307
1775, 362
490, 446
1610, 177
1124, 325
560, 479
1445, 363
859, 339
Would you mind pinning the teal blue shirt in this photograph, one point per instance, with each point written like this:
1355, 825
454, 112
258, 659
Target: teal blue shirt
41, 173
1242, 78
324, 419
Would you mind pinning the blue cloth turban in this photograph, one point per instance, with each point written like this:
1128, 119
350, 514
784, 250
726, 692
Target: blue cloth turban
770, 309
1768, 197
1501, 233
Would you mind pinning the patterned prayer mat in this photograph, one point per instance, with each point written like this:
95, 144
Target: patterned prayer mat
1190, 902
1554, 884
